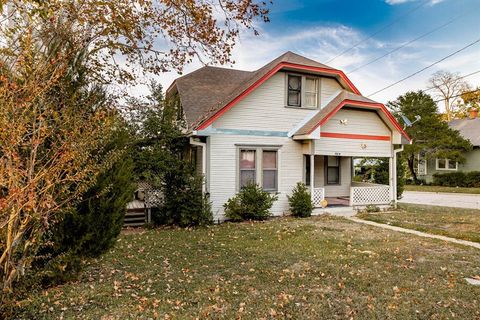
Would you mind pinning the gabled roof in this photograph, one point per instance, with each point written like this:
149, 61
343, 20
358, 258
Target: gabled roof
469, 129
208, 92
345, 98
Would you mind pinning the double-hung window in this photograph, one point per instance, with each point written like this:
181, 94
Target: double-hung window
294, 96
446, 164
311, 92
248, 170
270, 170
266, 160
332, 170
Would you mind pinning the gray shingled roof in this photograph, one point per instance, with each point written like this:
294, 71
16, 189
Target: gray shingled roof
469, 129
322, 113
208, 89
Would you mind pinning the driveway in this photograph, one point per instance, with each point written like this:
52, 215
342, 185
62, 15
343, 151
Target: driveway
457, 200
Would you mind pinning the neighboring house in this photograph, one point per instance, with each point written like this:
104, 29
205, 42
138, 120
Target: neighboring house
293, 120
470, 129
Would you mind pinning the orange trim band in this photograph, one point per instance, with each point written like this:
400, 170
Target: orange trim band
354, 136
281, 65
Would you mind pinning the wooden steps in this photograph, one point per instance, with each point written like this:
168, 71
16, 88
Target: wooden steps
135, 217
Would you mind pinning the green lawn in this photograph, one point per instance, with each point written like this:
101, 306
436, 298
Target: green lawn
316, 268
452, 222
442, 189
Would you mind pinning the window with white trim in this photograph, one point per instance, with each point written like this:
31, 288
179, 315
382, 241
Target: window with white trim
311, 92
265, 159
248, 170
446, 164
270, 170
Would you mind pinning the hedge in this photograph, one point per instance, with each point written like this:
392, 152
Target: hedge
457, 179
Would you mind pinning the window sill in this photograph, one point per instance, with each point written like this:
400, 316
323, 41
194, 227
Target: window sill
302, 108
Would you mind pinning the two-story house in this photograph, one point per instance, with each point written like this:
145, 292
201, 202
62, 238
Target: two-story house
293, 120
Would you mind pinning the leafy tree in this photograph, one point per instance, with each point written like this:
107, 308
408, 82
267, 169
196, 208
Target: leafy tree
53, 150
162, 159
471, 98
431, 136
152, 36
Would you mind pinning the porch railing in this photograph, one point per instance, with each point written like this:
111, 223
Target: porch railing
369, 193
318, 196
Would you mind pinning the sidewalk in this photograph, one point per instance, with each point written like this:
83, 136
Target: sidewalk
417, 233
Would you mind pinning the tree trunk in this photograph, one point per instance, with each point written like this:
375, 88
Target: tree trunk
411, 167
448, 110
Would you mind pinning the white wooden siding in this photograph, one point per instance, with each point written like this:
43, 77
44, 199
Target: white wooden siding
353, 147
328, 88
358, 122
264, 108
223, 168
341, 190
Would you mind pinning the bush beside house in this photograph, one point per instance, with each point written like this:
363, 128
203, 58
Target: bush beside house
300, 201
251, 203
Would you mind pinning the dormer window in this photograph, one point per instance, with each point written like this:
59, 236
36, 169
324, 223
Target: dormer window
302, 91
294, 98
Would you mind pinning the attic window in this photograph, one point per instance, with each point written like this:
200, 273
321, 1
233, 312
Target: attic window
294, 91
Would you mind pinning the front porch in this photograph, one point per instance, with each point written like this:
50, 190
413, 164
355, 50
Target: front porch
331, 178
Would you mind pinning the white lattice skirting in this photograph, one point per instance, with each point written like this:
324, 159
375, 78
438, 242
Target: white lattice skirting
369, 195
317, 196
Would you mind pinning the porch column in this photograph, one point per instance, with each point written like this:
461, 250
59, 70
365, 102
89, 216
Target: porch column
392, 174
312, 174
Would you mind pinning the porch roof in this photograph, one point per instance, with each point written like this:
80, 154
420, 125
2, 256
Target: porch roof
346, 98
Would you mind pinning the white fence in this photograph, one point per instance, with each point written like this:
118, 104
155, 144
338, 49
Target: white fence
317, 196
369, 193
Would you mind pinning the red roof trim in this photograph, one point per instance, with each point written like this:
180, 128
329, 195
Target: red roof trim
264, 78
365, 105
353, 136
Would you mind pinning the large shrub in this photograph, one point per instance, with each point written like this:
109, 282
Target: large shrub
300, 201
457, 179
162, 158
92, 227
251, 203
185, 204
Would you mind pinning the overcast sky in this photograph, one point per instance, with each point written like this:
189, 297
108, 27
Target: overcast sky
322, 29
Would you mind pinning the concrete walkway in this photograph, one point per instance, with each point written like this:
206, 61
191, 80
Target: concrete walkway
417, 233
455, 200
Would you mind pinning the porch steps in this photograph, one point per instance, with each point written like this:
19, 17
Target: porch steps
135, 217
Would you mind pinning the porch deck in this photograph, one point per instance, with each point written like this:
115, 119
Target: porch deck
361, 194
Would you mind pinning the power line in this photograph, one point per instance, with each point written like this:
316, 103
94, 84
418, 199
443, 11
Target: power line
427, 67
407, 43
458, 95
462, 77
378, 31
